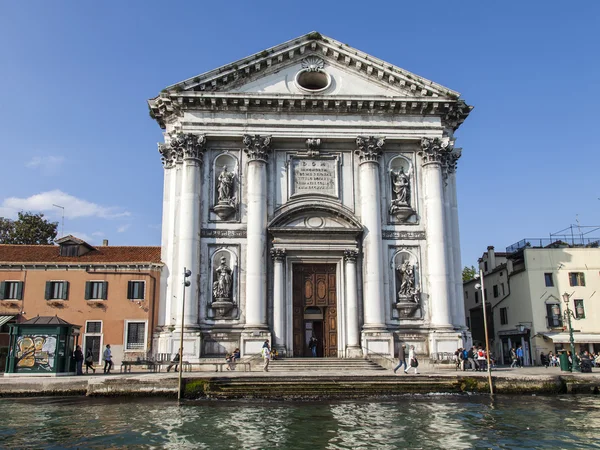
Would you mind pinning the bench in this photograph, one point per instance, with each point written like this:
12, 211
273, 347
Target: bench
127, 365
218, 365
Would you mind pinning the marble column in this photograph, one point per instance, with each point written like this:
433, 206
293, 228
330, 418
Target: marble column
448, 240
257, 148
351, 294
432, 153
369, 150
170, 175
459, 316
278, 255
192, 147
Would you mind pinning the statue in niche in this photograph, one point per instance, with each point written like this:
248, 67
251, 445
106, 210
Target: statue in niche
400, 204
225, 188
225, 200
406, 275
222, 286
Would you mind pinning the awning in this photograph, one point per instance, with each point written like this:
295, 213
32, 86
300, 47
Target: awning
579, 338
4, 319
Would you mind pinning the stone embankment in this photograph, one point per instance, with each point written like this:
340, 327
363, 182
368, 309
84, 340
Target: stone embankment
286, 385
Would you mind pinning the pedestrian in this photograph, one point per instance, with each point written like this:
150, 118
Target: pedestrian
513, 358
266, 354
312, 345
544, 360
481, 359
412, 358
471, 358
174, 362
107, 356
401, 358
79, 360
520, 356
89, 360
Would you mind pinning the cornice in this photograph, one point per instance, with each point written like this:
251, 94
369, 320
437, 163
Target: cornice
78, 266
170, 108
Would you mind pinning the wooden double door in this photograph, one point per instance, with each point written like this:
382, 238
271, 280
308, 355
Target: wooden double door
315, 308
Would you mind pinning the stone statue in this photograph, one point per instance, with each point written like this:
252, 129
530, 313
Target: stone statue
401, 189
225, 187
407, 276
222, 287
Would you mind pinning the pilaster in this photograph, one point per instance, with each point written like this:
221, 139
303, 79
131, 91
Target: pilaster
278, 255
353, 349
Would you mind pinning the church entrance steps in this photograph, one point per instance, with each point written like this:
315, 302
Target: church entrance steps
322, 365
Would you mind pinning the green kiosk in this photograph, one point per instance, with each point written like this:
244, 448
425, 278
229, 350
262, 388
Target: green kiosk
42, 346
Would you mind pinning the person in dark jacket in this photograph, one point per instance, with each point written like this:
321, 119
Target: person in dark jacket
89, 360
174, 362
402, 358
79, 360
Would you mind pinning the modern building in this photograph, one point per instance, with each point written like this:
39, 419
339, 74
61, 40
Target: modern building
110, 291
525, 290
311, 190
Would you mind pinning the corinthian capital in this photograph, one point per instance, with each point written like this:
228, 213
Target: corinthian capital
452, 160
278, 254
188, 146
435, 150
369, 148
257, 147
350, 255
167, 156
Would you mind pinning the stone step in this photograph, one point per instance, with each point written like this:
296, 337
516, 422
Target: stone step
322, 364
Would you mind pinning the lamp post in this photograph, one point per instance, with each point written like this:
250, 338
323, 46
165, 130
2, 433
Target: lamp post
487, 346
186, 274
568, 314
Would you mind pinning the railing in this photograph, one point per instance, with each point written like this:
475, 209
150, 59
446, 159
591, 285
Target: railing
554, 242
386, 358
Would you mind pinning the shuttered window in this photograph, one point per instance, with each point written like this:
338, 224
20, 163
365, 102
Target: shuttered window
96, 290
11, 290
57, 290
135, 290
136, 335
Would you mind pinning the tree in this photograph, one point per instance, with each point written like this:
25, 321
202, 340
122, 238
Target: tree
469, 273
29, 228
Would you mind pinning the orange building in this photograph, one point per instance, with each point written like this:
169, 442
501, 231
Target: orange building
111, 291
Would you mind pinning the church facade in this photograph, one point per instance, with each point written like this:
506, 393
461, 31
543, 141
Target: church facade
310, 189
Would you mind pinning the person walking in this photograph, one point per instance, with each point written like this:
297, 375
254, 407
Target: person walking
520, 356
471, 358
401, 358
89, 360
107, 356
412, 358
513, 358
174, 362
312, 345
78, 360
266, 354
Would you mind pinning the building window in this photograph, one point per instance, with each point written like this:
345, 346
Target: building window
11, 290
496, 292
485, 266
92, 340
485, 295
93, 327
467, 295
96, 290
468, 322
135, 290
579, 309
503, 316
576, 279
476, 297
136, 336
553, 315
548, 279
57, 290
503, 291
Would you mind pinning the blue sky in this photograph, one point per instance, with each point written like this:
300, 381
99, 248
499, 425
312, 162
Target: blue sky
75, 78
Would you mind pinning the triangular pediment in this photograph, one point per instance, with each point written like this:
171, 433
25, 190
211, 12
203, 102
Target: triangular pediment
273, 71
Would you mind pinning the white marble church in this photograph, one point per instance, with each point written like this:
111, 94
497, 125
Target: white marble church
311, 191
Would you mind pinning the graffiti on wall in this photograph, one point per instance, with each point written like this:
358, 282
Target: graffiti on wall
36, 352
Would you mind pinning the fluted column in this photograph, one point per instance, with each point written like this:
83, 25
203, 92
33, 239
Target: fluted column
192, 147
278, 255
257, 148
448, 238
369, 150
459, 315
432, 153
351, 295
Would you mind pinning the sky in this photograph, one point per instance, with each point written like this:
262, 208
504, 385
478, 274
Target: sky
76, 77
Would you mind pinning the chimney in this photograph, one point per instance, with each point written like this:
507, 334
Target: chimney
105, 243
491, 258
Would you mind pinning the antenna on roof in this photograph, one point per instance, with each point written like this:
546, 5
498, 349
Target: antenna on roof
62, 231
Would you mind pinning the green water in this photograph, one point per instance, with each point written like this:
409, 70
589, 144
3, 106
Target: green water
449, 422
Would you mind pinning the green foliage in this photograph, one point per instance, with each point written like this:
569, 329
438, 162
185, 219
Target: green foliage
29, 228
468, 273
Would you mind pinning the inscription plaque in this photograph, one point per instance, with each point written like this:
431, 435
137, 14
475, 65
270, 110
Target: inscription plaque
314, 176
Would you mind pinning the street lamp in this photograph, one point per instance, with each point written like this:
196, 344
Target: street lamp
487, 347
186, 274
567, 315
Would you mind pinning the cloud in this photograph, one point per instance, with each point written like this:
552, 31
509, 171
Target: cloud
49, 165
75, 208
123, 228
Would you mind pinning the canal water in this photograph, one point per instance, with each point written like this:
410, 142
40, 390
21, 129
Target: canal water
428, 422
